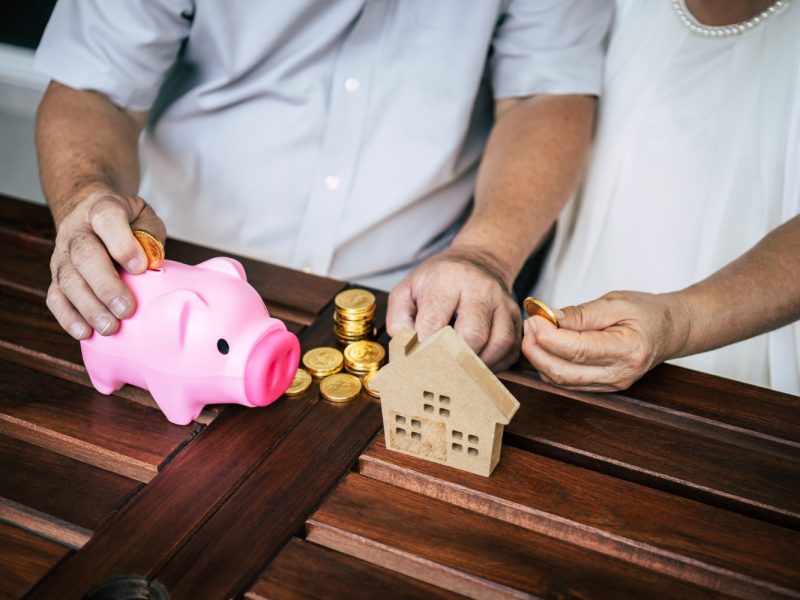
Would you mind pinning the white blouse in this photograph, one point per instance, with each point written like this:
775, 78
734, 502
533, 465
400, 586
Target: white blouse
696, 158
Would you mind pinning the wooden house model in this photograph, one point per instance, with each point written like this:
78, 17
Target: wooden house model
442, 403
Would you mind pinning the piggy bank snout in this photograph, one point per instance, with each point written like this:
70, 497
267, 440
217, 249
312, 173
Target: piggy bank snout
271, 366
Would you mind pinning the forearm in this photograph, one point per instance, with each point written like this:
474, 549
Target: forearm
531, 165
756, 293
83, 140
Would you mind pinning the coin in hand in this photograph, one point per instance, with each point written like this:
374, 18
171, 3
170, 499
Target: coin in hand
535, 307
152, 246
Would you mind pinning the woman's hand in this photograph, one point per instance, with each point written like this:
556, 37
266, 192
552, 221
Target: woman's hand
609, 343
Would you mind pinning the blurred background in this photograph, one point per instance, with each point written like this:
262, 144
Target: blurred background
21, 25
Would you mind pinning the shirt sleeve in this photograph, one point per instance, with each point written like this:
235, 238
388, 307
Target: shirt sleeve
550, 47
121, 49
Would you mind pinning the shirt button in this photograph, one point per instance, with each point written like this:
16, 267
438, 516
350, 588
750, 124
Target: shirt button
332, 182
307, 269
351, 84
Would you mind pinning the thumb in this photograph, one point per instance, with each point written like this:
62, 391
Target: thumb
148, 220
589, 316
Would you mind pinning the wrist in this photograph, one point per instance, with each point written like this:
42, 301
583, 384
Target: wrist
680, 316
479, 255
79, 192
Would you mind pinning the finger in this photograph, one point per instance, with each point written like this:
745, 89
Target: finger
110, 219
502, 348
434, 310
81, 296
474, 324
602, 348
88, 255
150, 221
401, 310
595, 315
559, 371
66, 315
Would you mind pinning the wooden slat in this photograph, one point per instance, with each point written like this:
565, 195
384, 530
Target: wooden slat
25, 267
305, 570
26, 243
24, 218
59, 486
290, 483
48, 526
688, 540
470, 553
83, 424
752, 417
640, 450
24, 559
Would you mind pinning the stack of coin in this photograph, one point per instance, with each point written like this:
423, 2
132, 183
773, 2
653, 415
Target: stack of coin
323, 361
363, 357
354, 319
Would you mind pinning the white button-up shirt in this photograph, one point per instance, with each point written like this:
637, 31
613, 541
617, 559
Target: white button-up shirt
341, 137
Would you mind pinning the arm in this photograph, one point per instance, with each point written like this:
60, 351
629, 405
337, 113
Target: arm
89, 169
609, 343
531, 165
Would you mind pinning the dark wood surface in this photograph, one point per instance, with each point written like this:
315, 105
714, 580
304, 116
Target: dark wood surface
686, 485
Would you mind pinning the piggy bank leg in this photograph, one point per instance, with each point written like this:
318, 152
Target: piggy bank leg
102, 371
173, 402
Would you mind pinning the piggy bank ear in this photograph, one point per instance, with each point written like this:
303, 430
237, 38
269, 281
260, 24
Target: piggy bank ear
226, 265
168, 317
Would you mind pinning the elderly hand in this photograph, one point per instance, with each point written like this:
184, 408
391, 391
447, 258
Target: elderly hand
465, 285
609, 343
86, 291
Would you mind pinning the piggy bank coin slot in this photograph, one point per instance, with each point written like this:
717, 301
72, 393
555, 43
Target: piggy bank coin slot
222, 346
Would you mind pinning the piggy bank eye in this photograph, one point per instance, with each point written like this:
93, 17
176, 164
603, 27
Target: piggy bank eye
222, 346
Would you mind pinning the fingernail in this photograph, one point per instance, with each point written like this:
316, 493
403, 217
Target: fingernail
102, 323
77, 331
120, 305
135, 264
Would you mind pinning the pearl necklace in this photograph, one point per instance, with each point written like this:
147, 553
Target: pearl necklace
721, 31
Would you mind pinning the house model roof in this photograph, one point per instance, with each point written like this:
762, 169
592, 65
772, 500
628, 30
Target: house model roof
405, 349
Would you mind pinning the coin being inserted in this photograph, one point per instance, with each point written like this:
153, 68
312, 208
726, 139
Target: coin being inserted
152, 246
535, 307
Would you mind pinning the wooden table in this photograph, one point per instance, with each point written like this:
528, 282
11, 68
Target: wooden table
686, 485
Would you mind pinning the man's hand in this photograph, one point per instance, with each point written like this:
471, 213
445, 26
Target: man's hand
465, 285
86, 292
609, 343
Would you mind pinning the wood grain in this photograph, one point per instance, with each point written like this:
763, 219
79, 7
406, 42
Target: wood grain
168, 511
470, 553
640, 450
26, 219
59, 486
25, 268
306, 571
78, 422
53, 528
24, 559
721, 409
678, 537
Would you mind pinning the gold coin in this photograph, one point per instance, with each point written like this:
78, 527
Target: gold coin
340, 387
152, 246
365, 382
535, 307
323, 361
300, 383
355, 301
364, 353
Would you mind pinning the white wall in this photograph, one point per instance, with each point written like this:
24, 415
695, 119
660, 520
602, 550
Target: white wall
21, 89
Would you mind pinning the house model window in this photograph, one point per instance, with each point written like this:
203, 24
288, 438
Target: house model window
442, 403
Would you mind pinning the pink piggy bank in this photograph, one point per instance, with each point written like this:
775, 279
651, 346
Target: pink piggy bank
200, 335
